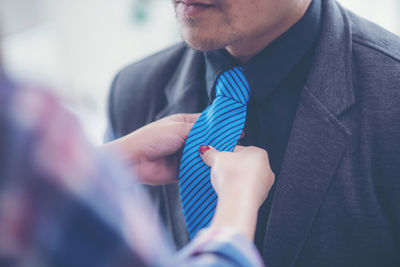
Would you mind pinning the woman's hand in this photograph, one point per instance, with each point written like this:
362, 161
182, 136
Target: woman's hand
152, 151
242, 180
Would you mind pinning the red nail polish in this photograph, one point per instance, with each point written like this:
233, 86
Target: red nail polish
242, 135
203, 149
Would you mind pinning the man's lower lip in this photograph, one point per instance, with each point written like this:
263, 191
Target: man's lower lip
191, 10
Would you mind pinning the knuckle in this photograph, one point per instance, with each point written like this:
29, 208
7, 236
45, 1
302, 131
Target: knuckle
272, 175
178, 116
181, 124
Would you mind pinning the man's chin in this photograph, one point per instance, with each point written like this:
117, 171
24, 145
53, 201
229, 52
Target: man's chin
204, 41
204, 45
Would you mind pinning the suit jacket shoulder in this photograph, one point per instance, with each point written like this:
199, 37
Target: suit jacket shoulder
376, 56
376, 38
138, 88
376, 74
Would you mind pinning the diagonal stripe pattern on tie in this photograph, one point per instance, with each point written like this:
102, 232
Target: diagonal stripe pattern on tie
219, 125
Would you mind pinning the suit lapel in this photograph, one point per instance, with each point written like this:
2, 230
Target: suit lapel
183, 94
184, 89
316, 146
317, 142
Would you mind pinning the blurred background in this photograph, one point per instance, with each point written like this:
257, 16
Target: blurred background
75, 47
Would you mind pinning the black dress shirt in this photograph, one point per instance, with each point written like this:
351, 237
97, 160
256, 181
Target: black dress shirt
276, 76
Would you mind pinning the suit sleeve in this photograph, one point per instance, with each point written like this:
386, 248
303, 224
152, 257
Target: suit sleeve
110, 130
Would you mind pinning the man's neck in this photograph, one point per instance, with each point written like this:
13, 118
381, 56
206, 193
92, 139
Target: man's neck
244, 50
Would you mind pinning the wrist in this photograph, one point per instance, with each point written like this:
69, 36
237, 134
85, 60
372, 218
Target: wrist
237, 213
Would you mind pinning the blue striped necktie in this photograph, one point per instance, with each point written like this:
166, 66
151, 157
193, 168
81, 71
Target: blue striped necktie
220, 126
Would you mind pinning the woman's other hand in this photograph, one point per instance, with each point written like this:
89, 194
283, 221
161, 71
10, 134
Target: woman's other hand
242, 180
152, 151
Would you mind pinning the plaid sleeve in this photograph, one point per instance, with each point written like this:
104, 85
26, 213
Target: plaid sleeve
219, 247
63, 202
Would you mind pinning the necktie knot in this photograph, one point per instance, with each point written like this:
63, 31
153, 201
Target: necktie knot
233, 84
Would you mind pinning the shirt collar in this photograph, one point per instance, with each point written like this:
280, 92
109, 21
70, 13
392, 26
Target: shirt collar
265, 70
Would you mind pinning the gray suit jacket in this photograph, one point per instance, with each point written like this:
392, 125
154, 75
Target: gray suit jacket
337, 202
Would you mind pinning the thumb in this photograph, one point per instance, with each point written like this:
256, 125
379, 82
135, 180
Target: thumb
208, 154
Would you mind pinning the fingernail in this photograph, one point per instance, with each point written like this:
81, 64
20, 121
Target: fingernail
242, 135
203, 149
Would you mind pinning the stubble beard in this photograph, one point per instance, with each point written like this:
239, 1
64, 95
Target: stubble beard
199, 39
